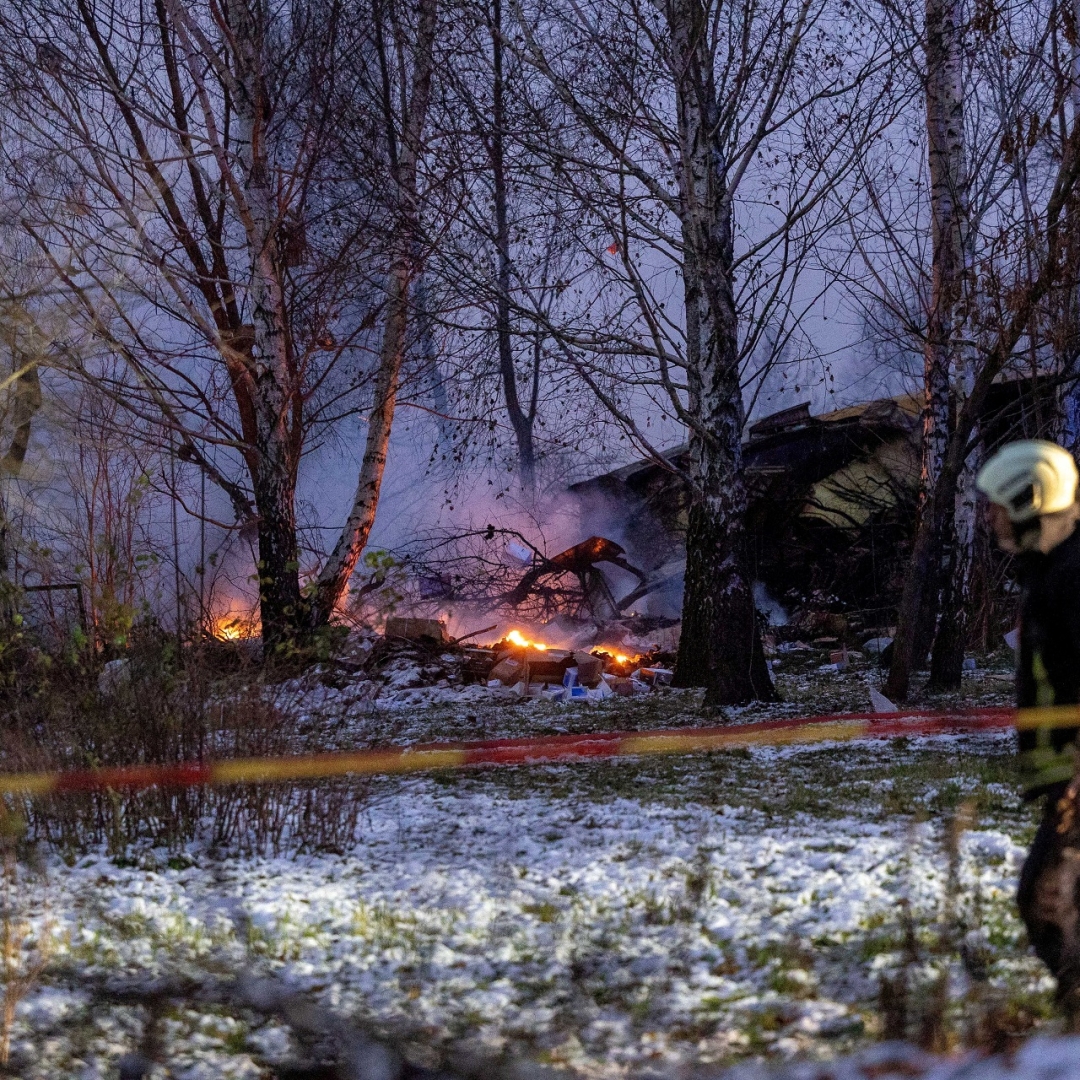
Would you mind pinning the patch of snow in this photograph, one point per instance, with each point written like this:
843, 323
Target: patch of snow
588, 926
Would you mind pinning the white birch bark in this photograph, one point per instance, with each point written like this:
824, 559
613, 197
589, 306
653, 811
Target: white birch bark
720, 647
919, 604
334, 577
945, 130
956, 607
956, 595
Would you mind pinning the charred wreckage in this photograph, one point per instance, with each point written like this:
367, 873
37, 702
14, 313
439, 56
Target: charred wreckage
831, 516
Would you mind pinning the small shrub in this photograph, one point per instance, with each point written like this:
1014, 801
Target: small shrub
174, 706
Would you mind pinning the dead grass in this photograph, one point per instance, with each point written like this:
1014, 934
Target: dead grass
171, 707
925, 1002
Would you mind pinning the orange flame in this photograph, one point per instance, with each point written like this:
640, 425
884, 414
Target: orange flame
612, 654
232, 625
518, 638
227, 629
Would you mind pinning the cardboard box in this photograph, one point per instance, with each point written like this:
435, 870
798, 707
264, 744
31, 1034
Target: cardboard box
590, 668
508, 671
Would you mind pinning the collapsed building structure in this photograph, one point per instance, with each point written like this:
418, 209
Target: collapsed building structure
832, 502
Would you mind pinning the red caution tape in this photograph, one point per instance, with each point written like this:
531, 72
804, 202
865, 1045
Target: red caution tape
525, 751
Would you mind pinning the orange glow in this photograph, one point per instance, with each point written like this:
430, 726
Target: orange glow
611, 654
518, 638
233, 625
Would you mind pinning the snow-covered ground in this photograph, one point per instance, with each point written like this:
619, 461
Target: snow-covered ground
601, 917
346, 711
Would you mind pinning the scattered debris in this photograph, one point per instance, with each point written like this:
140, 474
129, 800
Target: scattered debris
875, 646
416, 662
880, 703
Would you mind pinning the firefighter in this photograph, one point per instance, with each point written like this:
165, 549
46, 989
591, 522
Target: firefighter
1032, 488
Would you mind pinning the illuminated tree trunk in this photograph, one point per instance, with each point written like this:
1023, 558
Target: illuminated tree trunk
334, 577
268, 372
919, 603
24, 402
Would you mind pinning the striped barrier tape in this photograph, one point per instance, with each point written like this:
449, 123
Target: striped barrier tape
525, 751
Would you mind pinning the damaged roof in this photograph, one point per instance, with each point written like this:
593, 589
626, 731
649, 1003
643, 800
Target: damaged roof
793, 450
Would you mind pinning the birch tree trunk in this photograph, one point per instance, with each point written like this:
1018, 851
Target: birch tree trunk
334, 577
720, 647
25, 400
1051, 268
266, 358
919, 603
961, 566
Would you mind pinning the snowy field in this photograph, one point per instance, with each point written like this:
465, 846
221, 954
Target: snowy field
606, 918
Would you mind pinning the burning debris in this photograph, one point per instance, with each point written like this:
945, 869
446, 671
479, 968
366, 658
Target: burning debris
416, 661
532, 668
559, 622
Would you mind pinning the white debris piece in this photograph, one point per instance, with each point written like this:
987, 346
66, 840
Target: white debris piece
519, 552
114, 674
880, 703
876, 646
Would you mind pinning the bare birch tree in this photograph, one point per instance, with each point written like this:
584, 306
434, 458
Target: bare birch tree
674, 113
1031, 150
976, 177
184, 169
944, 346
1025, 270
414, 69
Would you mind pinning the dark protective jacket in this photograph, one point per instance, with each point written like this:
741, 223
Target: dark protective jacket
1049, 675
1049, 668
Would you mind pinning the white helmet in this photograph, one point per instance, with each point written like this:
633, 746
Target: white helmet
1030, 478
